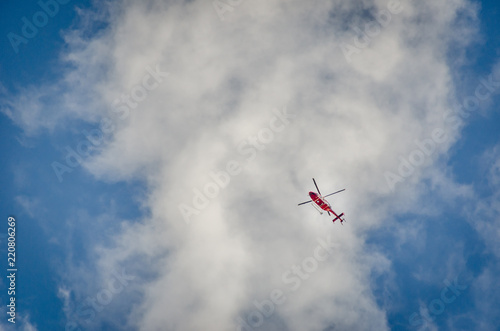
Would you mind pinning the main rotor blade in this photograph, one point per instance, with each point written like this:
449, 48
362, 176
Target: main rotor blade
316, 186
334, 193
304, 202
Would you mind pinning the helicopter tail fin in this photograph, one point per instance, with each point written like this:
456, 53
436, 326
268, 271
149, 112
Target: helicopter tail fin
338, 217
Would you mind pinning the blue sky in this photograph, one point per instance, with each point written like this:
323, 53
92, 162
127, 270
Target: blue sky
118, 212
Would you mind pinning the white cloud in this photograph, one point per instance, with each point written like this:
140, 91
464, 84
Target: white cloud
225, 78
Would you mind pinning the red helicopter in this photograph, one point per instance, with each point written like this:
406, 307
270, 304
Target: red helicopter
321, 202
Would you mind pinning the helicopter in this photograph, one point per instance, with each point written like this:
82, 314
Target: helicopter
321, 202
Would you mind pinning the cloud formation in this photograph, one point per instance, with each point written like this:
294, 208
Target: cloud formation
226, 80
